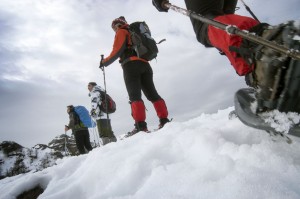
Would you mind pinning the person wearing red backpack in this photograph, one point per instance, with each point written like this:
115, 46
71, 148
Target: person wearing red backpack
103, 124
138, 77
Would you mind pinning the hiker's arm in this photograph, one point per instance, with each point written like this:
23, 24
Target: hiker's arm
118, 47
159, 5
95, 99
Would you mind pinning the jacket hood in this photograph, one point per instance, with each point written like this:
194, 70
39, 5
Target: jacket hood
96, 89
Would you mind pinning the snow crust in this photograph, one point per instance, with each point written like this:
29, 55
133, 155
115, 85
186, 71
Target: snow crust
210, 156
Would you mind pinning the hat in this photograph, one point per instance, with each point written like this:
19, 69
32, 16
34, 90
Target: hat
121, 20
92, 83
71, 107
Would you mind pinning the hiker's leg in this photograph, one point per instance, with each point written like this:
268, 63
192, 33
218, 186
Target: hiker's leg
87, 142
132, 77
79, 141
222, 40
206, 8
229, 6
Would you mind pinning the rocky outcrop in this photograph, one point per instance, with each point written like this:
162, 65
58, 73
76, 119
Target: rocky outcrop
16, 159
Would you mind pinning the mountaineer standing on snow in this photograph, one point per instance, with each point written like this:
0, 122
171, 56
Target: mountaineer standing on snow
103, 125
138, 77
80, 132
260, 71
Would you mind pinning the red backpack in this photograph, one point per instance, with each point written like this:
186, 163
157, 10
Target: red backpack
111, 105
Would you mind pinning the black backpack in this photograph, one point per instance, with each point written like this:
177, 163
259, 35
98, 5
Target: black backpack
111, 105
142, 42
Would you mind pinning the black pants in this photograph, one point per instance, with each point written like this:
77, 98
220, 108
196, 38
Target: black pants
138, 77
82, 139
209, 9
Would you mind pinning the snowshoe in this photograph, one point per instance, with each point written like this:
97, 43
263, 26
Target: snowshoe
245, 104
131, 133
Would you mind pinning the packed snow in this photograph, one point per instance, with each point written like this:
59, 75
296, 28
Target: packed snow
281, 122
210, 156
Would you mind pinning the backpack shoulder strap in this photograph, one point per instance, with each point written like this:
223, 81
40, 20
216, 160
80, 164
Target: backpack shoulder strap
128, 30
76, 118
102, 94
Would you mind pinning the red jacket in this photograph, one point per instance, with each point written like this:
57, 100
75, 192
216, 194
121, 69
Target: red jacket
121, 43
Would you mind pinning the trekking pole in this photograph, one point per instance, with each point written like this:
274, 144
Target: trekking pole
95, 144
92, 122
66, 149
95, 133
105, 98
250, 11
231, 29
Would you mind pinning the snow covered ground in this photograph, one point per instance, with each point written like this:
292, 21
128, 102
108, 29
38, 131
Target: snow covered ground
30, 159
207, 157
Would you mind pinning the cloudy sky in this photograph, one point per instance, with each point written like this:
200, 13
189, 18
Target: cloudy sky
50, 50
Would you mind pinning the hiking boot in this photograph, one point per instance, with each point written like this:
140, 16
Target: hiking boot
140, 126
113, 139
105, 140
162, 122
270, 67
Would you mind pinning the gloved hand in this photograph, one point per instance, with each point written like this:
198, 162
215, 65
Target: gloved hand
101, 65
159, 5
93, 113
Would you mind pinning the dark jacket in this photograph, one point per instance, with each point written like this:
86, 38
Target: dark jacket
75, 124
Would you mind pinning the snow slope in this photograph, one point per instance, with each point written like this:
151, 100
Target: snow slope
207, 157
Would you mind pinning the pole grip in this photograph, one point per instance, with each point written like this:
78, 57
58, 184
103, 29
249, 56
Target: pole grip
101, 65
